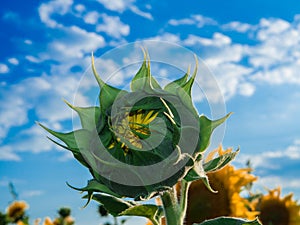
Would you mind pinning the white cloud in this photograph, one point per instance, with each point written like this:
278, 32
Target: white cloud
80, 8
197, 20
274, 181
123, 5
218, 40
32, 59
60, 7
76, 42
246, 89
28, 42
13, 61
141, 13
271, 27
113, 26
3, 68
119, 6
168, 37
231, 79
91, 17
266, 159
285, 74
238, 26
31, 193
6, 154
13, 111
277, 56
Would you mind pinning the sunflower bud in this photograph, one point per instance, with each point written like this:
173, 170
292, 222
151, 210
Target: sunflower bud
141, 142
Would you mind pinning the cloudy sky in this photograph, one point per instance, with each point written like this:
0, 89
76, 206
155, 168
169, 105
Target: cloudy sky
251, 48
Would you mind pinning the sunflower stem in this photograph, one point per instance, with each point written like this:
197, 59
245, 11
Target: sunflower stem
171, 208
184, 198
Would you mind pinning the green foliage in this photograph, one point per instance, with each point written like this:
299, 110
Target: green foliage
229, 221
64, 212
119, 207
219, 162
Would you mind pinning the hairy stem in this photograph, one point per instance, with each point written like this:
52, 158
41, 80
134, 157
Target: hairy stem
184, 199
171, 207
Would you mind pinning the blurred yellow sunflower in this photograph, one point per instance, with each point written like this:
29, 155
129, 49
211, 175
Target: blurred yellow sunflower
16, 210
278, 211
59, 221
229, 182
48, 221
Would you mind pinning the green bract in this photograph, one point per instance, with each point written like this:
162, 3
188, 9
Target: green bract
139, 143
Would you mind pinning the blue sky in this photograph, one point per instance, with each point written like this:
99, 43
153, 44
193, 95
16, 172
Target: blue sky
252, 47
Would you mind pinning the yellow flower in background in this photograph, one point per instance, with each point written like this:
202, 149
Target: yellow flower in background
59, 221
48, 221
229, 182
16, 210
20, 222
69, 220
278, 211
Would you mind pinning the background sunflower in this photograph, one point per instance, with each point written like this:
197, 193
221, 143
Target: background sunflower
278, 211
228, 182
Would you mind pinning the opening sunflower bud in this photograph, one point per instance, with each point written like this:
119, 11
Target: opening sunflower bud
138, 143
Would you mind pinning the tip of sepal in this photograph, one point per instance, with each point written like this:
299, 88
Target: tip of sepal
89, 197
96, 75
69, 104
188, 85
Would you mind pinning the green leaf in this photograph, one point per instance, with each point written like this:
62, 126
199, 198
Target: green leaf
219, 162
89, 116
115, 206
152, 212
229, 221
108, 93
197, 173
94, 186
207, 126
143, 80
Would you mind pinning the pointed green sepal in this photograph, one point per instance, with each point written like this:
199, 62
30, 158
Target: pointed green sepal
76, 141
143, 80
152, 212
70, 139
94, 186
198, 173
219, 162
187, 87
89, 116
207, 127
115, 206
172, 87
108, 93
229, 221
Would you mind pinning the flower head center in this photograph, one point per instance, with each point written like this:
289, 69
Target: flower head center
274, 212
131, 128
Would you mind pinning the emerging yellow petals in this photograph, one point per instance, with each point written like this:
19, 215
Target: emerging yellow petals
131, 127
278, 211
